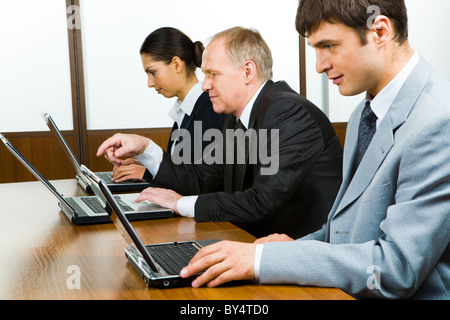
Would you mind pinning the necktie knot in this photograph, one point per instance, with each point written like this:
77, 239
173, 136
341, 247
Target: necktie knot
239, 125
368, 115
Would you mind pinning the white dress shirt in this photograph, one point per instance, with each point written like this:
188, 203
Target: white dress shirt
381, 103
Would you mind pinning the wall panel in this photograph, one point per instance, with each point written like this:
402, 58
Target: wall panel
44, 152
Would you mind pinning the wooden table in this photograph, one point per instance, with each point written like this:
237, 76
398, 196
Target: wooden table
45, 256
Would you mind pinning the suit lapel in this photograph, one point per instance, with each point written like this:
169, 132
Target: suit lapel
170, 143
185, 124
188, 119
382, 143
354, 185
259, 107
349, 158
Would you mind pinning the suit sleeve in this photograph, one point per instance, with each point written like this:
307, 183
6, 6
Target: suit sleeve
189, 179
300, 145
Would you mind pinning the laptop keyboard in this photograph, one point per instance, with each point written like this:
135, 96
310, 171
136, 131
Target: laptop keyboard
96, 207
173, 257
105, 176
108, 177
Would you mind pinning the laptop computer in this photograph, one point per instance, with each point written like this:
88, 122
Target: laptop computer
126, 186
158, 264
89, 209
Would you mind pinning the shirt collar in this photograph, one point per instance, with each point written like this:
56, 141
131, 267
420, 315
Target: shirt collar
245, 116
382, 102
181, 108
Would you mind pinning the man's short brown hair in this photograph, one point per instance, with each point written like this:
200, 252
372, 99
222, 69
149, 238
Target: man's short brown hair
355, 14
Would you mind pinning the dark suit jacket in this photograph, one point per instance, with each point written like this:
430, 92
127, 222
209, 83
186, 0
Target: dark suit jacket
297, 199
203, 111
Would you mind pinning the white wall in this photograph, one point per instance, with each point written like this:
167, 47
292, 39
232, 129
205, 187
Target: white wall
113, 31
429, 31
34, 57
34, 65
428, 34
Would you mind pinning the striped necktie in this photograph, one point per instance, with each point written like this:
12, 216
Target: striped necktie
367, 129
239, 153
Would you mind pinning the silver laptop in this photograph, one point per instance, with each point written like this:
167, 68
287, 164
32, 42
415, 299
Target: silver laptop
126, 186
91, 209
158, 264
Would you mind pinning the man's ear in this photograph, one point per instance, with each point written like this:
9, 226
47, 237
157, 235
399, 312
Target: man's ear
250, 71
383, 29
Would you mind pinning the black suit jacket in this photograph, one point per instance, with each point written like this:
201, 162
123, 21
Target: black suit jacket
297, 199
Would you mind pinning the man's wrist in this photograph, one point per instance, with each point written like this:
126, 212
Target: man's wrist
186, 206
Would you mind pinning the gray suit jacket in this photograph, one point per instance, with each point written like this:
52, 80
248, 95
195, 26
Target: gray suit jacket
388, 232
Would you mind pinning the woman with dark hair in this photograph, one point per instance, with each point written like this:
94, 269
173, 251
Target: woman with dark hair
170, 59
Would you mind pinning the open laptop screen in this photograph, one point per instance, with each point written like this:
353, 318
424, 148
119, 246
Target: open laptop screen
38, 176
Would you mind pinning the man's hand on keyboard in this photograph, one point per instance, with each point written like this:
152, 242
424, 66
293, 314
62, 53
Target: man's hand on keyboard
163, 197
225, 261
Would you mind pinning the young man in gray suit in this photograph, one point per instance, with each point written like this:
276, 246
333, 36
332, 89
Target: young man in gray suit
387, 235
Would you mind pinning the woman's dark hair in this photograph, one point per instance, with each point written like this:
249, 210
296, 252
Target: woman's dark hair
355, 14
166, 43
